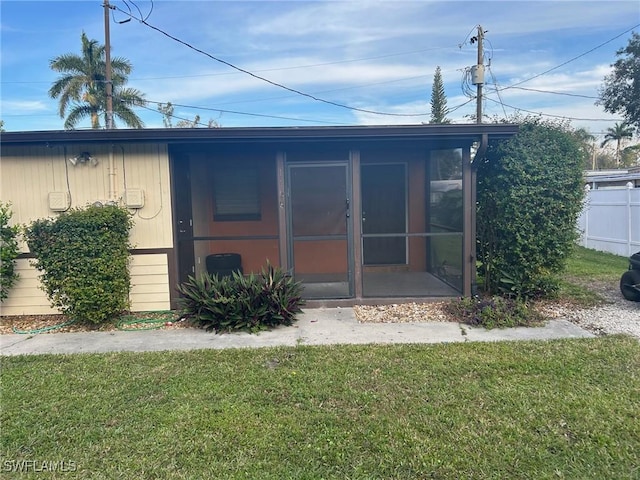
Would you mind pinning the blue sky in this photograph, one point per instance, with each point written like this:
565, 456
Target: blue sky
370, 55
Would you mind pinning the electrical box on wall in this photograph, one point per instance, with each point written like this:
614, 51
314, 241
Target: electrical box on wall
134, 198
58, 201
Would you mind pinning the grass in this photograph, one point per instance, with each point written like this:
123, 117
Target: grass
586, 267
558, 409
587, 264
519, 410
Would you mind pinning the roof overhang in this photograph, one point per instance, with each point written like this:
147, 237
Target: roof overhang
437, 133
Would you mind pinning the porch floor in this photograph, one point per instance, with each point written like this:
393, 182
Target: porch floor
382, 284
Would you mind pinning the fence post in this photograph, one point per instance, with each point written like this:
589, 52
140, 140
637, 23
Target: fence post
585, 237
629, 187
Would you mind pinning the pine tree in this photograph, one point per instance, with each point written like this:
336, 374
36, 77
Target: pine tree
439, 108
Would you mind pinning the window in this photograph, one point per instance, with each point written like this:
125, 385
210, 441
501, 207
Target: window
236, 194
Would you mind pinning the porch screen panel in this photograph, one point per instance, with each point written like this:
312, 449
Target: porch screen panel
384, 212
318, 222
411, 223
318, 201
446, 216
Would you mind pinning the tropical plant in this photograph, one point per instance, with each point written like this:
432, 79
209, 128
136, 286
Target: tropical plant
617, 133
83, 256
250, 303
82, 88
620, 92
530, 192
586, 141
631, 156
439, 108
8, 251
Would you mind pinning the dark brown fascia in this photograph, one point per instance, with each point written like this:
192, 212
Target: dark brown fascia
470, 132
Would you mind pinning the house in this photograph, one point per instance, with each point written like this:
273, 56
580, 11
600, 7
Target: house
597, 179
359, 214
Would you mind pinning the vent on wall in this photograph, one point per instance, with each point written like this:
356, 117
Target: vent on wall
59, 201
134, 198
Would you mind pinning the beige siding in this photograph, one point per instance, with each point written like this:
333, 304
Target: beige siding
29, 174
149, 288
26, 297
149, 283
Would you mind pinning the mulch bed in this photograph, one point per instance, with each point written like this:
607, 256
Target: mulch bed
32, 324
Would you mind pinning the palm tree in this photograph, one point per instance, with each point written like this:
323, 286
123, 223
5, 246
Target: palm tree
617, 133
82, 87
587, 146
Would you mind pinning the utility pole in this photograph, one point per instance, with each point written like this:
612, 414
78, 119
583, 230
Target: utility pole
107, 51
477, 73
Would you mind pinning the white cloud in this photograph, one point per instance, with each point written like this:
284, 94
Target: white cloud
21, 106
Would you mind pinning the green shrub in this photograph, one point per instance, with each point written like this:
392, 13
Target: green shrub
494, 312
250, 303
83, 255
8, 251
530, 192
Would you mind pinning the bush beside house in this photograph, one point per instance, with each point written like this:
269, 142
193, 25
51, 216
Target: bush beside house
83, 256
8, 250
530, 193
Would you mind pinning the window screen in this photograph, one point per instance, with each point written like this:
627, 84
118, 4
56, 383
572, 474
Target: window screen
236, 194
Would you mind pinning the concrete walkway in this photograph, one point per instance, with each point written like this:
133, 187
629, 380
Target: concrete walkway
323, 326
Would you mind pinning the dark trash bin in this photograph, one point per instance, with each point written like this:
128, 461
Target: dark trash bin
224, 264
630, 281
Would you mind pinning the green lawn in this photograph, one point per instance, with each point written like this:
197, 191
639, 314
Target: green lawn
530, 410
586, 267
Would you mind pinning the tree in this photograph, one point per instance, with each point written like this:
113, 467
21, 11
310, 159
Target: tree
167, 109
620, 92
631, 156
438, 102
585, 140
530, 192
82, 87
617, 133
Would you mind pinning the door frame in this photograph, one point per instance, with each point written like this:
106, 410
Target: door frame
346, 165
180, 168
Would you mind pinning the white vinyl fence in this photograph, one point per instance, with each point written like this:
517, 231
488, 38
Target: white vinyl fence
610, 220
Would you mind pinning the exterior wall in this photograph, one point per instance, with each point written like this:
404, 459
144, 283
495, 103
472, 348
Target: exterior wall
26, 297
30, 174
417, 215
149, 282
149, 288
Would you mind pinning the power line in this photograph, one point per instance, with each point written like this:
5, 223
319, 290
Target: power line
547, 91
495, 82
555, 116
234, 112
271, 82
572, 59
